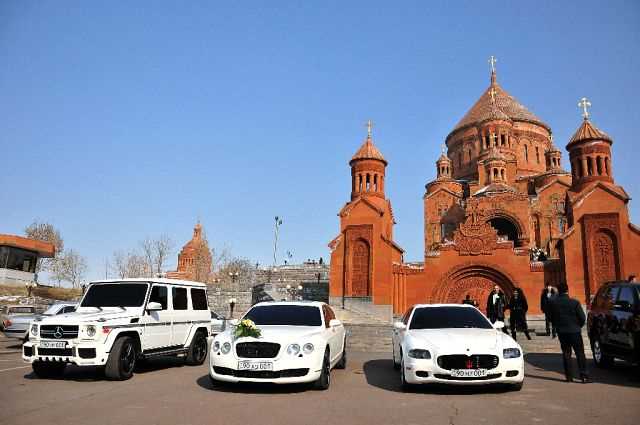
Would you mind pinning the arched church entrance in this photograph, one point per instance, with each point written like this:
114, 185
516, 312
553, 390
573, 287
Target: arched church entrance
475, 280
506, 229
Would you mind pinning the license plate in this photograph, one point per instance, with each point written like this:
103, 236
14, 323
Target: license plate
53, 344
247, 365
468, 373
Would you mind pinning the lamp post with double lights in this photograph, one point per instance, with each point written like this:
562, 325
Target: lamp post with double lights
294, 292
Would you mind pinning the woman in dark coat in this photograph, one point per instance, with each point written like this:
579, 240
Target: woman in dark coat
518, 307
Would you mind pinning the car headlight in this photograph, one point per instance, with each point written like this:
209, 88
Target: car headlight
91, 331
226, 347
34, 330
417, 353
293, 349
307, 348
511, 353
216, 346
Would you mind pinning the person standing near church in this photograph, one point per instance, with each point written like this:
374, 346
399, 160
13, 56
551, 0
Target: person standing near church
518, 319
496, 304
568, 318
548, 294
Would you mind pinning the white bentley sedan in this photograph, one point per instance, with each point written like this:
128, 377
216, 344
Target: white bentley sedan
299, 342
454, 344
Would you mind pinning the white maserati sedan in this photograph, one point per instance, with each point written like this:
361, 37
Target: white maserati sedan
454, 344
299, 342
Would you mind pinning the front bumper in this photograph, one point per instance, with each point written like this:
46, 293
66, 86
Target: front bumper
78, 352
286, 369
419, 371
17, 333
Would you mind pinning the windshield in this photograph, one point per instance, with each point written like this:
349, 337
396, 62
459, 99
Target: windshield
291, 315
115, 295
21, 310
448, 317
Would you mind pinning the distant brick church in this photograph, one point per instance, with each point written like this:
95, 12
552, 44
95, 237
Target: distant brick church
500, 192
194, 260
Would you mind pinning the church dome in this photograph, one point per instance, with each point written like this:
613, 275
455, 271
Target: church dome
368, 151
496, 104
587, 131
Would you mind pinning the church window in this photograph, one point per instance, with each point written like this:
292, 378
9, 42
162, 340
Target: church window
589, 166
537, 155
561, 223
599, 165
502, 174
495, 173
503, 140
359, 182
526, 153
368, 187
375, 182
606, 165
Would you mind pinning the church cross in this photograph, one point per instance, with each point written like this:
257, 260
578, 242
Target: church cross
443, 148
369, 127
492, 64
584, 104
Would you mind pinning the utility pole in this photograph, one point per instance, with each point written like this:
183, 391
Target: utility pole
278, 222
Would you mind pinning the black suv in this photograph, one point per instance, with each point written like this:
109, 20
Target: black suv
614, 323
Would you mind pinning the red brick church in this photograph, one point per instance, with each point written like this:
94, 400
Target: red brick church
501, 210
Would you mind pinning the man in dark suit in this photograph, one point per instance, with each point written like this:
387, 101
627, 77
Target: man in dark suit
548, 294
496, 304
568, 318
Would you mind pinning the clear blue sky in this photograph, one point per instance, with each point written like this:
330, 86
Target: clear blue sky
121, 121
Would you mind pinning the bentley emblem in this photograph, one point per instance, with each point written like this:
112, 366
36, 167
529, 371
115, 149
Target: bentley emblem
59, 332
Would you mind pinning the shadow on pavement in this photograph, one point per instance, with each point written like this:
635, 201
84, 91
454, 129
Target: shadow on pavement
251, 388
619, 373
381, 374
96, 373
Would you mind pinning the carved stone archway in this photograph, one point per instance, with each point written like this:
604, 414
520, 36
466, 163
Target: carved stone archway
475, 279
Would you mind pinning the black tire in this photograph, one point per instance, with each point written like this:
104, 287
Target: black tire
122, 359
516, 387
342, 364
601, 359
396, 365
198, 349
48, 369
324, 381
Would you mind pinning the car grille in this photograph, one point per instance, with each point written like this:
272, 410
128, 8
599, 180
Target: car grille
462, 361
261, 374
65, 331
67, 352
257, 350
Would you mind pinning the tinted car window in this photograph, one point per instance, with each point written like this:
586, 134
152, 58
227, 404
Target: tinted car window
179, 298
115, 295
159, 294
68, 309
199, 299
448, 317
291, 315
610, 297
21, 310
625, 299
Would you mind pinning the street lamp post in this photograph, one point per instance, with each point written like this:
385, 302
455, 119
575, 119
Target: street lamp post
294, 292
233, 276
278, 222
232, 304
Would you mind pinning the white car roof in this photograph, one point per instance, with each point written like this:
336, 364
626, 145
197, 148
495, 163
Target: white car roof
178, 282
306, 303
443, 305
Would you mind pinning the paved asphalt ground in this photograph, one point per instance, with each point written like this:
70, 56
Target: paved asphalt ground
367, 392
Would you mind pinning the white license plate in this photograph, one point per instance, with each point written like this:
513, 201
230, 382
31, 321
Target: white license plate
468, 373
248, 365
53, 344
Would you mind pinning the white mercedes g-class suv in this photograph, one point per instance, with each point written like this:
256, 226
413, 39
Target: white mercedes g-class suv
119, 322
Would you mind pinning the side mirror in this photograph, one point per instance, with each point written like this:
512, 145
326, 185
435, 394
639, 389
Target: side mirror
399, 326
334, 322
498, 325
154, 306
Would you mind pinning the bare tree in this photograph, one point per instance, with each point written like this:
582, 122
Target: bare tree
156, 252
129, 264
44, 231
75, 267
201, 268
239, 268
220, 257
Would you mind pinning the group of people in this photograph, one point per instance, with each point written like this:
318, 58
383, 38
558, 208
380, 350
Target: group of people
497, 304
564, 317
